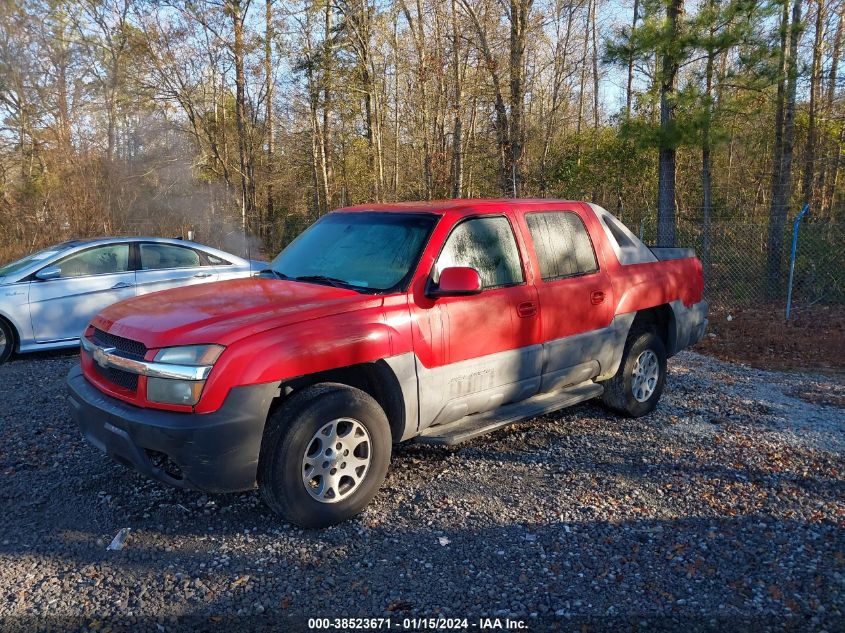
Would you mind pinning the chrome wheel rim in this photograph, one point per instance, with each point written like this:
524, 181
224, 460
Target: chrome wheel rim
3, 342
336, 460
645, 375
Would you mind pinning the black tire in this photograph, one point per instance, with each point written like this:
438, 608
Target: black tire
7, 341
618, 391
291, 431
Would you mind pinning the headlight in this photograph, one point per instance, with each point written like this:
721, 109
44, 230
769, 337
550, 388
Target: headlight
190, 355
178, 391
168, 391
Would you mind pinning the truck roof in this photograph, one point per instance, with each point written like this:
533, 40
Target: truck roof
441, 207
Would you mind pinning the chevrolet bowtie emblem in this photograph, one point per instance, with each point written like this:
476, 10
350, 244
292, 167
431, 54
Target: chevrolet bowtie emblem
100, 355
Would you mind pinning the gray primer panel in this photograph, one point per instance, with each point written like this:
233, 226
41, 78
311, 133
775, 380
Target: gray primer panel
452, 391
614, 347
690, 324
404, 367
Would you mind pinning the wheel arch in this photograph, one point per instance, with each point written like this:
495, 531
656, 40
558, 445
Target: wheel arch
661, 319
377, 379
16, 337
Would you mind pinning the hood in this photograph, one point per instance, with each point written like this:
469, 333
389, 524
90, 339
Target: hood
226, 311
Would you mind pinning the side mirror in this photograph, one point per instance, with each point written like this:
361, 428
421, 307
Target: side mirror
458, 281
51, 272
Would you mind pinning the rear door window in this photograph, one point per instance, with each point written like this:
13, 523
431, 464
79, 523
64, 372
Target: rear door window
562, 245
217, 261
163, 256
486, 244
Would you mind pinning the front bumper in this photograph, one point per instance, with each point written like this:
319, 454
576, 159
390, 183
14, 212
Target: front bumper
214, 452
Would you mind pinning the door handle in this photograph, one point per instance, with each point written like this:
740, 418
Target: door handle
202, 275
596, 297
526, 309
122, 284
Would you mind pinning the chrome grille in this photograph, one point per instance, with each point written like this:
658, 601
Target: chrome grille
104, 339
118, 377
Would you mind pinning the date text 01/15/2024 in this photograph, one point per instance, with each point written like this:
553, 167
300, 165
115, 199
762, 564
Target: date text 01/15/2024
418, 624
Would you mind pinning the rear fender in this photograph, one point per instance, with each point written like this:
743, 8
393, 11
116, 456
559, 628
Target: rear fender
641, 296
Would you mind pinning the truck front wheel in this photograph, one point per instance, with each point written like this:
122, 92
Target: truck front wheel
324, 455
638, 384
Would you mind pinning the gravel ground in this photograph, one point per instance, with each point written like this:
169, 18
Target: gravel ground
723, 509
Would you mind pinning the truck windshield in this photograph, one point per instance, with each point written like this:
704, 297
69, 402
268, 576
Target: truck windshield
362, 250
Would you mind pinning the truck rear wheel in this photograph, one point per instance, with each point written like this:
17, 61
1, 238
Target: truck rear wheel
324, 455
638, 384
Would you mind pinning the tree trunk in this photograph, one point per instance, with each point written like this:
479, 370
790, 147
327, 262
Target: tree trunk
595, 71
831, 149
417, 29
629, 86
561, 50
315, 153
268, 77
457, 131
582, 83
395, 182
815, 81
328, 78
501, 124
520, 10
666, 158
706, 167
782, 170
240, 111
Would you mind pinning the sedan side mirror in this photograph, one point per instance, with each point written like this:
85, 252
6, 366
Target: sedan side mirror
51, 272
457, 281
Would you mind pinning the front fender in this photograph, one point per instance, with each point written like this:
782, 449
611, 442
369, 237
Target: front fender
297, 350
14, 308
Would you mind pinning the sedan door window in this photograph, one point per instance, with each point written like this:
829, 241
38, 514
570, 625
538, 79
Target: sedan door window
162, 256
100, 260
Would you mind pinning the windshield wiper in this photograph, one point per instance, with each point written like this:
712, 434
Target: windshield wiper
275, 273
332, 281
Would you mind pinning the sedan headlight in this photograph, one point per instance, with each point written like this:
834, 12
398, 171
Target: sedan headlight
182, 391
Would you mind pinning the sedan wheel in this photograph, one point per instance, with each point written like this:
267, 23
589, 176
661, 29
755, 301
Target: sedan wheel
7, 342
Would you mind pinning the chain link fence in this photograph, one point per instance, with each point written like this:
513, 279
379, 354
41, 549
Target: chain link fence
736, 268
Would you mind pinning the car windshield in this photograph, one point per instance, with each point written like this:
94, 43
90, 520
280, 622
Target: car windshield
365, 251
24, 262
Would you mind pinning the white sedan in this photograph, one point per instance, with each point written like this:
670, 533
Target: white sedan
48, 298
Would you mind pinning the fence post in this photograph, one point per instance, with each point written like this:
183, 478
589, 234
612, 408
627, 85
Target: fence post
795, 226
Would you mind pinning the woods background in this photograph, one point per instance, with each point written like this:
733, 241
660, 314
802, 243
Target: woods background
244, 121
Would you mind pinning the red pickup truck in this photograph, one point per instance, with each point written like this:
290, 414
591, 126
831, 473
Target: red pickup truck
438, 321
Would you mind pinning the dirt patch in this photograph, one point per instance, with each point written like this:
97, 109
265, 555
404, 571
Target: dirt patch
813, 340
